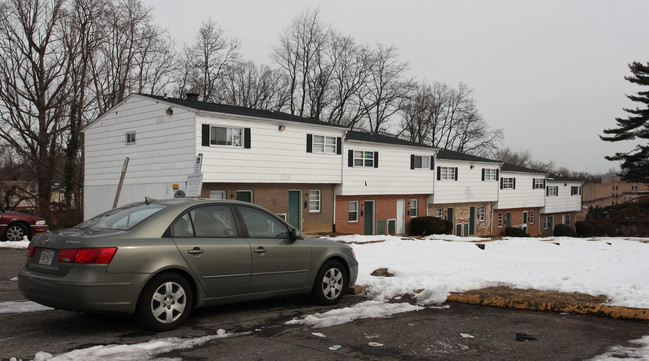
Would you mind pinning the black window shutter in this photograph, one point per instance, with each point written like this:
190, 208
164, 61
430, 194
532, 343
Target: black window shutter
439, 173
455, 173
544, 183
483, 170
432, 162
514, 183
547, 192
497, 174
502, 181
532, 183
246, 138
309, 143
376, 159
350, 158
205, 135
412, 161
339, 145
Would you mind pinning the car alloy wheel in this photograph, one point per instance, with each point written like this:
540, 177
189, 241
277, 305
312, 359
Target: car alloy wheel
15, 232
165, 302
330, 283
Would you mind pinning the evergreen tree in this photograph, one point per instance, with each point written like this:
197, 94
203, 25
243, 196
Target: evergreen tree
635, 163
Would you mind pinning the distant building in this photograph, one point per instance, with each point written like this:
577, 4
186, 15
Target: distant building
612, 190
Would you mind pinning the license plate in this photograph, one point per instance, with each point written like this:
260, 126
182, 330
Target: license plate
47, 255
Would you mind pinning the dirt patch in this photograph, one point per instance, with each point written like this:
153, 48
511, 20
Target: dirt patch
536, 295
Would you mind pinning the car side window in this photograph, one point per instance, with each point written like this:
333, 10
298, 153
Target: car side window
183, 227
262, 225
213, 222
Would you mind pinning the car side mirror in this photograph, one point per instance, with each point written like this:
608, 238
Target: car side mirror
295, 234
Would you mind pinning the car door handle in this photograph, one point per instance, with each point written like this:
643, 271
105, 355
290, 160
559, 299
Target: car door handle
260, 250
195, 250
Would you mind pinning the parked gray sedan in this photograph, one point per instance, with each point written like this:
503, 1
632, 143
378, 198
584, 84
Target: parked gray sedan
161, 259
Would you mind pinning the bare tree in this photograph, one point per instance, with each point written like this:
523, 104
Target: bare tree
386, 89
247, 85
34, 91
523, 158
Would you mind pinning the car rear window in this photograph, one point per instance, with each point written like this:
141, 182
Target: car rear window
123, 218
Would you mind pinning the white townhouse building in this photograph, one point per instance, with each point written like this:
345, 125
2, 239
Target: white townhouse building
562, 203
521, 196
466, 189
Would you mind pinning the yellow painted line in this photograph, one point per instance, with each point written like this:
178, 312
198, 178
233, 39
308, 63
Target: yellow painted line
584, 308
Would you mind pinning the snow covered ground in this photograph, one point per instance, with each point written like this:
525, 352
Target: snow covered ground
438, 265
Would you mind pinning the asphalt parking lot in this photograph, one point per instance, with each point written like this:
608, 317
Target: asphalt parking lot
456, 332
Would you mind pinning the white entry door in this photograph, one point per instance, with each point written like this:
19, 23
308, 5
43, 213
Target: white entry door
401, 216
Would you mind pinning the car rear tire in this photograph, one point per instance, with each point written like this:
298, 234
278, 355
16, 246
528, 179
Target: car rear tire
15, 232
165, 302
330, 283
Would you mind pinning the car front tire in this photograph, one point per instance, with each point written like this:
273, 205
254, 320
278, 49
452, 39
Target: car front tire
15, 232
330, 283
165, 302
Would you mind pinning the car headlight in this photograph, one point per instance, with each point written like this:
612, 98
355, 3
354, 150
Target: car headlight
41, 223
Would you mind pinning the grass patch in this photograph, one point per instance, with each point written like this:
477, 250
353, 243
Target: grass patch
537, 295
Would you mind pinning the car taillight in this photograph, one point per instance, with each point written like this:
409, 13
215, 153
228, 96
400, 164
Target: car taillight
31, 250
87, 255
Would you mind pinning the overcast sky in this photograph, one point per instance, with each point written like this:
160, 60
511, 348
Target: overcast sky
549, 73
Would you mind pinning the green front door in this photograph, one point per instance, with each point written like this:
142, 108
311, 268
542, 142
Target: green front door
472, 221
293, 217
369, 217
508, 220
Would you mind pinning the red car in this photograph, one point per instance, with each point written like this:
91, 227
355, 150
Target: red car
14, 226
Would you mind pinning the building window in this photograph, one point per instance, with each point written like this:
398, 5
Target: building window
420, 162
489, 174
447, 173
481, 213
324, 144
353, 211
363, 159
217, 194
507, 183
244, 196
569, 220
538, 183
500, 220
439, 213
413, 208
552, 191
634, 187
229, 137
130, 138
545, 222
532, 217
314, 200
575, 191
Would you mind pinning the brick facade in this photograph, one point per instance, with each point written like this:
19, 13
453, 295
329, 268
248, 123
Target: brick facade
274, 197
534, 220
385, 208
461, 216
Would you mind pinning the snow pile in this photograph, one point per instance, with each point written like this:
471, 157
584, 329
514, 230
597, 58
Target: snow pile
434, 267
368, 309
22, 306
15, 245
627, 353
141, 351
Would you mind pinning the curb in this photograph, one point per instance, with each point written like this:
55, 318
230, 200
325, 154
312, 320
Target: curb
619, 312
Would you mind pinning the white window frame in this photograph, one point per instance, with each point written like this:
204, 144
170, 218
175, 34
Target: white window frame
414, 206
314, 200
233, 136
324, 144
490, 174
129, 138
553, 191
363, 158
569, 220
538, 183
439, 213
531, 217
350, 211
545, 222
424, 162
218, 195
447, 173
500, 220
575, 190
508, 182
482, 212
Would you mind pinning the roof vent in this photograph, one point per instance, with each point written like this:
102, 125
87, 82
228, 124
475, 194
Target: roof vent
192, 97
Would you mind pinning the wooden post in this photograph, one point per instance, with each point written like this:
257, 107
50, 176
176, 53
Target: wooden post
121, 182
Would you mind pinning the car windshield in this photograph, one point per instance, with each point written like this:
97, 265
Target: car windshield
123, 218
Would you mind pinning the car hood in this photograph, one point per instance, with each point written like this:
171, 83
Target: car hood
19, 215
